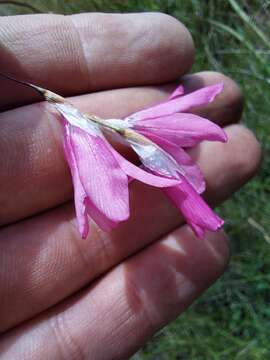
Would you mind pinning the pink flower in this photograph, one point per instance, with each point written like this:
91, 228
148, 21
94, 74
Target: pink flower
157, 134
172, 127
99, 173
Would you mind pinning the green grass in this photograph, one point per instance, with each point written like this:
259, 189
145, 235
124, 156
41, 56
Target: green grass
232, 320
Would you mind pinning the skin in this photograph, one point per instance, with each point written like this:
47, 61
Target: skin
103, 297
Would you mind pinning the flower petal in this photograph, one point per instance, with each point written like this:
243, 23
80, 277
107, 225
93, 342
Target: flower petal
103, 222
180, 104
104, 182
138, 173
191, 170
79, 193
183, 129
194, 209
179, 91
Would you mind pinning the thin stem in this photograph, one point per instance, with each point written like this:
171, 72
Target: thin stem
103, 123
37, 88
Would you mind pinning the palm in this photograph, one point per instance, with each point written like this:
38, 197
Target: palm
104, 296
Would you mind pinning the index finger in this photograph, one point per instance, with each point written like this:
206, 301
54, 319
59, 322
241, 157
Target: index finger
92, 51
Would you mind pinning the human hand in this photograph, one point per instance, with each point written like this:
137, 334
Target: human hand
103, 297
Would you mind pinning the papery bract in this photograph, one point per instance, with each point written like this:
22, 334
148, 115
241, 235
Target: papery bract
191, 170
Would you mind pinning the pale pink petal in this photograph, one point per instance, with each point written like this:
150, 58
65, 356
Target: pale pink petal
105, 183
180, 104
179, 91
138, 173
194, 209
192, 171
103, 222
79, 193
183, 129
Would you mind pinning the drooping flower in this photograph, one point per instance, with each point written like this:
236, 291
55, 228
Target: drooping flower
159, 135
170, 126
99, 173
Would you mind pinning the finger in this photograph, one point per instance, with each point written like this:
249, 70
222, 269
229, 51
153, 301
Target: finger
229, 105
31, 155
88, 52
34, 251
122, 310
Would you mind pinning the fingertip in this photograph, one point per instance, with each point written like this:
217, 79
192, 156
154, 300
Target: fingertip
248, 151
228, 166
227, 108
220, 242
185, 44
175, 49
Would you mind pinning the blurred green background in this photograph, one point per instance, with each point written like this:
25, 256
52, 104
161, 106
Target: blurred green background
232, 320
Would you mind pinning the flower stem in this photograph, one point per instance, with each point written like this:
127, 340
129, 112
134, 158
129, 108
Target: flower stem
40, 90
47, 94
